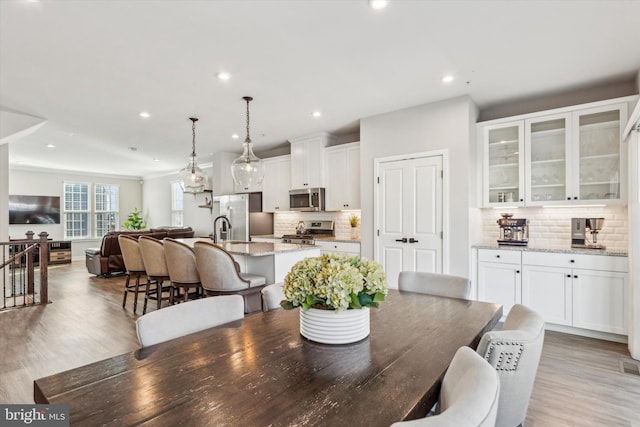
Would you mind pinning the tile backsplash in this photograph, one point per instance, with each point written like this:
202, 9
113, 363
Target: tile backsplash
551, 227
285, 222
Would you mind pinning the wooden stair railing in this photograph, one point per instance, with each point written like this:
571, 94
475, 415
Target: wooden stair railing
17, 272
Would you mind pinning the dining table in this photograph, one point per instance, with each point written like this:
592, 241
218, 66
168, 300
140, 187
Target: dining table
259, 371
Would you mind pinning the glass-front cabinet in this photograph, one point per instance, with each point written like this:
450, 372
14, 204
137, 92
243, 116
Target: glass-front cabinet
504, 164
600, 169
547, 160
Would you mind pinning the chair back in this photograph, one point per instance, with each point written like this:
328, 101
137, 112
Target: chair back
152, 251
217, 268
131, 254
443, 285
187, 318
181, 262
515, 352
469, 394
272, 295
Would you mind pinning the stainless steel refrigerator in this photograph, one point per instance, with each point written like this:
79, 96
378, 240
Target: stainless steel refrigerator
244, 212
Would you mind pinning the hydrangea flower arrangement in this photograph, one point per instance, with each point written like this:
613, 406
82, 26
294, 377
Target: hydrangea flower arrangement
334, 282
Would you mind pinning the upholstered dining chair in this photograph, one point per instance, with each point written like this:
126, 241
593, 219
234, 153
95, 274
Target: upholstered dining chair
220, 275
152, 251
272, 295
134, 267
443, 285
514, 352
469, 394
189, 317
181, 263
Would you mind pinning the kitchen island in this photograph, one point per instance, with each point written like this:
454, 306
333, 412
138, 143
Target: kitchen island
271, 260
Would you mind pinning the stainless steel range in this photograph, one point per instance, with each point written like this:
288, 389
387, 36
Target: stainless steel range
307, 231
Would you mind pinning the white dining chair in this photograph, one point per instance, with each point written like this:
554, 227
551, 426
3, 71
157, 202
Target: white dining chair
444, 285
515, 352
272, 295
189, 317
469, 394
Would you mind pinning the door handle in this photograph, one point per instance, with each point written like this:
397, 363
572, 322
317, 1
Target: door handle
412, 240
403, 240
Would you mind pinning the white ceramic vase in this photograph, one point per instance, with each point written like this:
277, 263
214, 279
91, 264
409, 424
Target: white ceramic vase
333, 327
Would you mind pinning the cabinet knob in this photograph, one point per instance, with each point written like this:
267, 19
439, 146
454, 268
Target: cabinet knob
575, 198
568, 275
277, 207
575, 277
568, 198
497, 256
572, 261
517, 271
522, 200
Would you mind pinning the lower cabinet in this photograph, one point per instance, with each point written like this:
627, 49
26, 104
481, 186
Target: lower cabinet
350, 248
576, 290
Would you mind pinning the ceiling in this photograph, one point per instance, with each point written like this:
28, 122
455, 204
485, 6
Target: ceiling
90, 67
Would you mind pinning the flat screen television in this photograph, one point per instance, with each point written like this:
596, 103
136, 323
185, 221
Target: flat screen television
34, 209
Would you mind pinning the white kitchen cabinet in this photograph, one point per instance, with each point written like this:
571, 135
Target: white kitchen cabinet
499, 277
600, 300
327, 246
307, 160
276, 184
569, 155
342, 177
548, 291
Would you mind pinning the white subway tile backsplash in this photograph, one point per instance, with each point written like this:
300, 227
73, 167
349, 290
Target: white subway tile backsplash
285, 222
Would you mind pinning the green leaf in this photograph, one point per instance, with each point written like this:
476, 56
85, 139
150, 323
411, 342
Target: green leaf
287, 305
355, 302
365, 299
378, 297
354, 261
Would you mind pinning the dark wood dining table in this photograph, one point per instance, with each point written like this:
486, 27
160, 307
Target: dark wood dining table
260, 371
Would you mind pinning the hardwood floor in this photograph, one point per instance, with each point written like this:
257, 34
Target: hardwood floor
579, 381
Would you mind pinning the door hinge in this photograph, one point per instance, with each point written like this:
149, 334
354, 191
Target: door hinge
378, 232
378, 180
442, 235
442, 173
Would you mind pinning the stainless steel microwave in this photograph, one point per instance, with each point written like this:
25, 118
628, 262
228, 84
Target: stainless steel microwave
306, 199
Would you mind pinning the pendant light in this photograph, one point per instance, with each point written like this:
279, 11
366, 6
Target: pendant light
192, 179
247, 170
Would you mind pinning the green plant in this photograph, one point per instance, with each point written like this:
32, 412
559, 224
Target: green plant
334, 282
135, 221
354, 220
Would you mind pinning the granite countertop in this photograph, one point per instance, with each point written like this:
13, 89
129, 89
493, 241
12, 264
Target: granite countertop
253, 248
558, 249
323, 238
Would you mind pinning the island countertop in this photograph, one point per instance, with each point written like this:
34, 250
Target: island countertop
252, 248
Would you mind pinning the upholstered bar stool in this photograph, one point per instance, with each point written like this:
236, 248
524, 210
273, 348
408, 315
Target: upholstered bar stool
221, 275
152, 251
134, 267
181, 263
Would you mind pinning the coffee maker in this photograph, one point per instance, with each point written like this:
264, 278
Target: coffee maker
513, 231
579, 227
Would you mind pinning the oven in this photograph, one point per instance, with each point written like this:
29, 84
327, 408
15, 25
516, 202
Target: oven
307, 199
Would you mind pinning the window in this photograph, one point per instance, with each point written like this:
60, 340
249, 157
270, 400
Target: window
83, 219
177, 206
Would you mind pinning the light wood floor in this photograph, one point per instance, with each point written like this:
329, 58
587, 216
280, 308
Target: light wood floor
578, 384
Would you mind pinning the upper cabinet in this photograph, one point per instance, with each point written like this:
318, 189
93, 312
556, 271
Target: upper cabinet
573, 156
307, 160
276, 184
342, 177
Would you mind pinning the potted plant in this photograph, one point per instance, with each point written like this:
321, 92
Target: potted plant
354, 221
334, 292
135, 221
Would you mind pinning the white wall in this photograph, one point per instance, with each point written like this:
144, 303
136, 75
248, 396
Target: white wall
442, 125
4, 192
50, 183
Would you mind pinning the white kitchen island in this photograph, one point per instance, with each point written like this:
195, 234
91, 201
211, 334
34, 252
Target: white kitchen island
271, 260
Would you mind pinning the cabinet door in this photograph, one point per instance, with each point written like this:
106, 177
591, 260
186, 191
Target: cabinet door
307, 163
277, 177
337, 191
353, 176
548, 291
599, 300
504, 164
298, 165
600, 160
500, 283
547, 160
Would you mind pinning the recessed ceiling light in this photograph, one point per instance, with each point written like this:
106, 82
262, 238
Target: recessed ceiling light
235, 136
378, 4
447, 79
223, 75
145, 115
317, 114
133, 148
156, 160
51, 146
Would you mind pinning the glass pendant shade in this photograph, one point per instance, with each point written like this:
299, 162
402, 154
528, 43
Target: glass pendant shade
247, 170
192, 178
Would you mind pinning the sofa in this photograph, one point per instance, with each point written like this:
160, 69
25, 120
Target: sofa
107, 259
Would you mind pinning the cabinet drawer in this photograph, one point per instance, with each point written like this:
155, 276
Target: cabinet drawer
60, 256
582, 261
339, 246
501, 256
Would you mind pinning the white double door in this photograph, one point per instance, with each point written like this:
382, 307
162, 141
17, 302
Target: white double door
409, 216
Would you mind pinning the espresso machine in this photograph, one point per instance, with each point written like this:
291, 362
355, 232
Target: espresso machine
579, 227
513, 231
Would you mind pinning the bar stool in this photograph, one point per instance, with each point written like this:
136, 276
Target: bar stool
135, 267
152, 251
181, 263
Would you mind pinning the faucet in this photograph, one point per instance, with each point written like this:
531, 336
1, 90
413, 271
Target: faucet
215, 229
